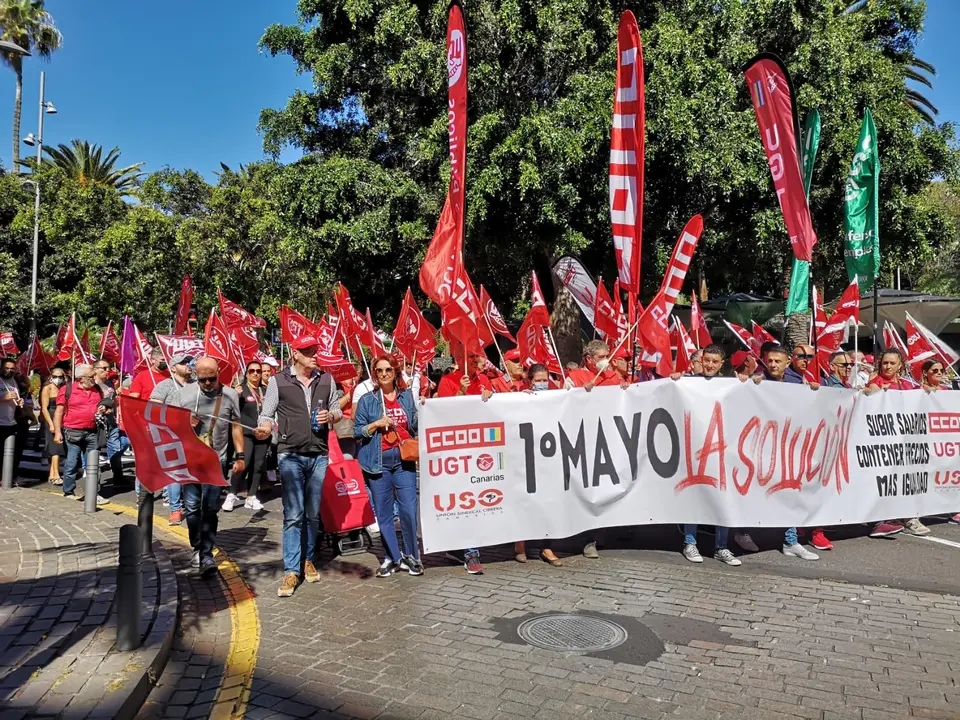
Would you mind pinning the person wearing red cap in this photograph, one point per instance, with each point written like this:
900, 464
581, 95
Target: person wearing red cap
620, 362
473, 382
304, 401
515, 380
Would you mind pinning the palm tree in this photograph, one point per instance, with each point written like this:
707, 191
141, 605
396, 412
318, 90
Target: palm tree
86, 164
912, 67
26, 23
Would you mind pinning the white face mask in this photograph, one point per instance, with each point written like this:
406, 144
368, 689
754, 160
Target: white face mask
603, 364
538, 386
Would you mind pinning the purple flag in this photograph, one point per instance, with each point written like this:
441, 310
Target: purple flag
128, 352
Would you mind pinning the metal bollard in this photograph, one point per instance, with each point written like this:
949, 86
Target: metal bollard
145, 521
9, 452
129, 589
91, 484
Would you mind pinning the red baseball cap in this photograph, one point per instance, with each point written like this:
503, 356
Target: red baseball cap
739, 358
512, 355
304, 341
622, 353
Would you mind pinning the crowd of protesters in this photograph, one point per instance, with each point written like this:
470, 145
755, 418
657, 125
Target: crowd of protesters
273, 426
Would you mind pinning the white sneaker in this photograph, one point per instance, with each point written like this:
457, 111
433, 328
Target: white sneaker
230, 502
727, 558
691, 553
799, 551
195, 559
913, 526
745, 542
103, 501
252, 503
374, 530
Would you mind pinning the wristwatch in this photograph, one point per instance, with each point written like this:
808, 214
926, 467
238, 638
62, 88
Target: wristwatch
238, 456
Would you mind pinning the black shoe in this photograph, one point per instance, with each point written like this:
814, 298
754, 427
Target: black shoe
411, 565
208, 566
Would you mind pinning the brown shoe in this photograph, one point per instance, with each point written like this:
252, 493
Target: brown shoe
310, 573
289, 584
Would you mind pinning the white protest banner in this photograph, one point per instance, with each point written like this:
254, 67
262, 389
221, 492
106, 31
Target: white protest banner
721, 452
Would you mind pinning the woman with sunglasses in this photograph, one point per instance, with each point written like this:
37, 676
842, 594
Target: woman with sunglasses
931, 375
48, 406
254, 451
383, 419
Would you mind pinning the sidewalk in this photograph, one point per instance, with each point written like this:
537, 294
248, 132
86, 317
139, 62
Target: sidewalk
58, 570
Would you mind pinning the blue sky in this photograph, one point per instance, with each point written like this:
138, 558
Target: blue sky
181, 83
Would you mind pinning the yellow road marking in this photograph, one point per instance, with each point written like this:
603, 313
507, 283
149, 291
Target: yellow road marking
234, 691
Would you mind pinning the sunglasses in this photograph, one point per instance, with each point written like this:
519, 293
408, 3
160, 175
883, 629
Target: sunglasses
803, 356
844, 365
936, 371
384, 371
254, 372
207, 379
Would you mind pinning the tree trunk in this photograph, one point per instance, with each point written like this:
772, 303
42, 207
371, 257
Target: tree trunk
797, 330
16, 124
566, 324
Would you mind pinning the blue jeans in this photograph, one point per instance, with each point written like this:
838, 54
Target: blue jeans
790, 537
720, 542
79, 443
175, 493
202, 503
397, 484
301, 482
117, 442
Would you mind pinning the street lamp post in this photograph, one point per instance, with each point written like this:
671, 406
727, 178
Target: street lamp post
45, 107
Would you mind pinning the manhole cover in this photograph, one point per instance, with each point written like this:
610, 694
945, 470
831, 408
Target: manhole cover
572, 633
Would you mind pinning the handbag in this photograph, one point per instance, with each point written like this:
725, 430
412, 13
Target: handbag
344, 504
410, 450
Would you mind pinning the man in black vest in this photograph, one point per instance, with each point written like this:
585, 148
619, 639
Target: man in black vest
303, 401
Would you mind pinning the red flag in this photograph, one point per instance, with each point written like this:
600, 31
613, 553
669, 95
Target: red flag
679, 339
493, 315
627, 154
679, 263
834, 331
293, 325
820, 315
235, 316
444, 258
245, 343
892, 339
35, 358
919, 348
772, 95
85, 341
655, 333
609, 320
110, 348
353, 325
143, 348
61, 336
372, 340
68, 344
945, 354
7, 344
538, 307
698, 326
534, 344
328, 354
183, 308
745, 336
414, 335
171, 345
761, 336
167, 449
460, 316
216, 344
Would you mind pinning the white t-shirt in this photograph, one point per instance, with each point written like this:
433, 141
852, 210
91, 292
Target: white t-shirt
367, 387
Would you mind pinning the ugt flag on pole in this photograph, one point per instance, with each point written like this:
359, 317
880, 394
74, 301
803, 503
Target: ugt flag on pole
167, 449
861, 218
798, 301
626, 155
772, 95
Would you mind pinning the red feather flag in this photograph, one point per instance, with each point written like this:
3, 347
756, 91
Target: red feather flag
627, 155
183, 307
414, 335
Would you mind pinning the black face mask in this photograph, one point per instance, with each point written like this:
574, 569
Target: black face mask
162, 366
7, 372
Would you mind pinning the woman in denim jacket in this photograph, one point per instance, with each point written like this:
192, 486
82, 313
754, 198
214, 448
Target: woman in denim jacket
384, 418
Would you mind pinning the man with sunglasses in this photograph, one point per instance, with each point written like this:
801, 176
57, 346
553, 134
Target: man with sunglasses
304, 401
216, 421
800, 360
840, 365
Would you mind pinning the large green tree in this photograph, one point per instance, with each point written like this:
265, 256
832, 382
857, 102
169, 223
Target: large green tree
27, 24
541, 89
86, 163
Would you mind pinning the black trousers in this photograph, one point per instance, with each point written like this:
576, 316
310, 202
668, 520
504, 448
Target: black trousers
256, 465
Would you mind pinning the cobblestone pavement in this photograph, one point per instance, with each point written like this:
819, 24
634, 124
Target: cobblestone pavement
58, 581
702, 641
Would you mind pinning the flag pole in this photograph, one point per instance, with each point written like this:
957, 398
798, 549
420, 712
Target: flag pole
813, 324
105, 334
503, 360
876, 305
596, 302
696, 330
619, 345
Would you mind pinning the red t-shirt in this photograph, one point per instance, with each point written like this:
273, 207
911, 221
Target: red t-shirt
449, 385
582, 376
145, 381
82, 408
896, 384
395, 412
